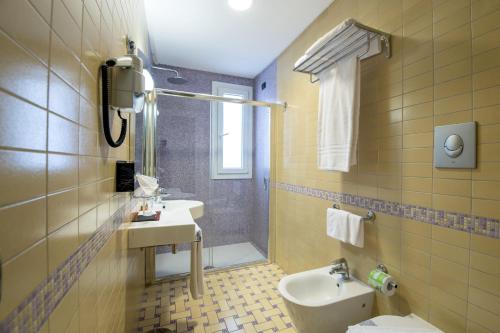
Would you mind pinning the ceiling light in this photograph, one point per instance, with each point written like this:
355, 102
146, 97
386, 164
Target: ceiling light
240, 5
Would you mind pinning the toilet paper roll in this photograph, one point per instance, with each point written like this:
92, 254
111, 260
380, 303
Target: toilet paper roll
382, 282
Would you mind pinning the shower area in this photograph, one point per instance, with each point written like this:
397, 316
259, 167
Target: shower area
217, 153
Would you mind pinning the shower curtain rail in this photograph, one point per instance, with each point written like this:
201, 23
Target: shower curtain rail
215, 98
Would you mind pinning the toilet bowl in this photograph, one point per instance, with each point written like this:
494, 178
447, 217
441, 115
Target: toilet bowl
320, 302
411, 321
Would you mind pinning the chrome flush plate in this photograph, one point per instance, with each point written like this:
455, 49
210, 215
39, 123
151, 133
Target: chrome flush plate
455, 146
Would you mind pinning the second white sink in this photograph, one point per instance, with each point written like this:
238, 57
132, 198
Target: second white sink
195, 207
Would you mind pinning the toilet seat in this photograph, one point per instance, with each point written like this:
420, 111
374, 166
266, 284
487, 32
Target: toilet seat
409, 321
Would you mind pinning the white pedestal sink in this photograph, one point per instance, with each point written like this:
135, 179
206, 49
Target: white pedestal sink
176, 225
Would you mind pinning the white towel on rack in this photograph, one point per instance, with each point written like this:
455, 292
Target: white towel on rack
196, 279
346, 24
346, 227
347, 35
338, 117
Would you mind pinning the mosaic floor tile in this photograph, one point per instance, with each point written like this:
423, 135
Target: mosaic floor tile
240, 300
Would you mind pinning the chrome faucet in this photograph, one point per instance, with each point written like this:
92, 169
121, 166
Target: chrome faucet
340, 267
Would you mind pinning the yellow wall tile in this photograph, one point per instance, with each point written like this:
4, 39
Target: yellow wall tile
486, 318
66, 27
458, 187
486, 190
486, 60
485, 263
22, 124
447, 320
21, 183
418, 111
485, 245
33, 34
484, 281
62, 172
453, 54
451, 236
21, 282
31, 75
485, 24
60, 319
449, 252
485, 42
87, 224
449, 277
485, 300
483, 207
62, 243
451, 20
63, 62
21, 226
61, 208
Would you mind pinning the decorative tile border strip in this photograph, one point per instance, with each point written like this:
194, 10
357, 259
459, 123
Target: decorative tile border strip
478, 225
35, 310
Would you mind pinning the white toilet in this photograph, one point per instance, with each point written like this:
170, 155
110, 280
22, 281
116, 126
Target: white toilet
393, 323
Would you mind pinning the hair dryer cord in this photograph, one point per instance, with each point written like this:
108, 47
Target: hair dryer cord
105, 112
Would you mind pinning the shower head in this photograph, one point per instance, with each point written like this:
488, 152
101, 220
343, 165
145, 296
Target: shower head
177, 79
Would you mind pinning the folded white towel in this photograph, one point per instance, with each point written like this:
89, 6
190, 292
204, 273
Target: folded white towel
346, 227
338, 117
379, 329
326, 37
347, 35
196, 278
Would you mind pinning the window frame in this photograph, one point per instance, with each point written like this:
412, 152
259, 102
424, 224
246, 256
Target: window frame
216, 136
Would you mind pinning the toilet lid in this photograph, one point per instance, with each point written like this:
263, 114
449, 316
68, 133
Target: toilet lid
410, 321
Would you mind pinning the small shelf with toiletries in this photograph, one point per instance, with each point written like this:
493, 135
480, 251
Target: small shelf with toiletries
346, 39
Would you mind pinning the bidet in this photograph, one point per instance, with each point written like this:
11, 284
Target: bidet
322, 302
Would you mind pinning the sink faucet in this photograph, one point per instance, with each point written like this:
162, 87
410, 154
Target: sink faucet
340, 267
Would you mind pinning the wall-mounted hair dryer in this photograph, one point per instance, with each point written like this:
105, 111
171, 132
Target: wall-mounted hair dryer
122, 90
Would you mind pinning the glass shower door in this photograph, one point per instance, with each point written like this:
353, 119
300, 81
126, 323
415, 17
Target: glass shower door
234, 230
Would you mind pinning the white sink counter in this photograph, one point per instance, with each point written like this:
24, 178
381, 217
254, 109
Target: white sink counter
176, 225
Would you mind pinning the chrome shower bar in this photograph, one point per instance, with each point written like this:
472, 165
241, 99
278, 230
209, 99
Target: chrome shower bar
214, 98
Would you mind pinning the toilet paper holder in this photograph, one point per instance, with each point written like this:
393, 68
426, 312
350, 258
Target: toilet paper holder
383, 268
369, 217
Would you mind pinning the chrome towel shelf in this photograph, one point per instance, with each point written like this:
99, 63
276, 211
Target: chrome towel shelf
349, 38
369, 217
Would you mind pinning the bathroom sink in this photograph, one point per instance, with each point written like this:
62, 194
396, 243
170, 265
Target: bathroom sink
322, 303
195, 207
176, 225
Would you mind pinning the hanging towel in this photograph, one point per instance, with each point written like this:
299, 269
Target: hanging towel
338, 117
346, 227
196, 280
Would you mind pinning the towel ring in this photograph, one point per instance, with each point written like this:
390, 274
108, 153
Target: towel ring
370, 215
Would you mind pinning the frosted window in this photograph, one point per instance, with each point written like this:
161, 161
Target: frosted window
231, 127
232, 139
